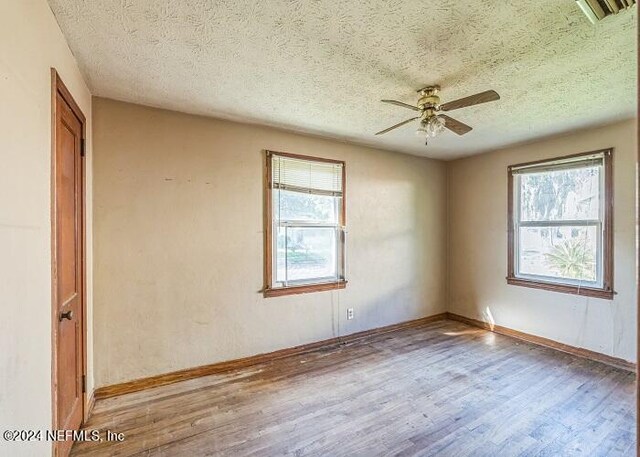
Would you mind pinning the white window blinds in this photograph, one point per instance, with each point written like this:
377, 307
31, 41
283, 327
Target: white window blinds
309, 176
561, 164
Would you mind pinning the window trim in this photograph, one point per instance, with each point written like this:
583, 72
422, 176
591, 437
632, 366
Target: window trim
268, 289
607, 290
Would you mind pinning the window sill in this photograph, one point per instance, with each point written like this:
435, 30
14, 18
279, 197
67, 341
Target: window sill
307, 288
562, 288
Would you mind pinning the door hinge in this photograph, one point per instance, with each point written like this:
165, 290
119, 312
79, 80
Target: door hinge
83, 147
84, 383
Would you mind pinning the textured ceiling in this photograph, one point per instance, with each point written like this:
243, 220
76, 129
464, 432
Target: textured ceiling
322, 66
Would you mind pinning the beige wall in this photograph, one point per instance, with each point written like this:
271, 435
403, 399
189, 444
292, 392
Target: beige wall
30, 43
169, 187
478, 248
179, 242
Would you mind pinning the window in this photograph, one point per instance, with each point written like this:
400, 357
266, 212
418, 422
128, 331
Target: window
560, 225
304, 224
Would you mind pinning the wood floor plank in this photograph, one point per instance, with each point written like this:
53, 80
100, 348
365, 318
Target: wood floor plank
443, 388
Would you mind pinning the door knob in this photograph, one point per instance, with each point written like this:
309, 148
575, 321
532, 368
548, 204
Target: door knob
66, 315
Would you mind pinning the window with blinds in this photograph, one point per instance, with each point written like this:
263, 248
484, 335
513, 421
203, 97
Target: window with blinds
560, 222
307, 176
306, 214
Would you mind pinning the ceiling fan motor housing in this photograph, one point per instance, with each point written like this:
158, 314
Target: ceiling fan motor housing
428, 101
428, 112
429, 97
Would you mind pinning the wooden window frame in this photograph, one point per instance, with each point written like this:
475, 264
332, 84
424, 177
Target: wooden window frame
607, 290
269, 290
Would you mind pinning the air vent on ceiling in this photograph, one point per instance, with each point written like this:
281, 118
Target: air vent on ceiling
597, 10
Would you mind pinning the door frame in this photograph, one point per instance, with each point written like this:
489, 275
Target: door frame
59, 88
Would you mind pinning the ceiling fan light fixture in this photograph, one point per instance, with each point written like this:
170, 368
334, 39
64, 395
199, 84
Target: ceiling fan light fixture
422, 131
430, 127
434, 126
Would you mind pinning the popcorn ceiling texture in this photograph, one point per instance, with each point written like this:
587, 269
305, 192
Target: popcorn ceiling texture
322, 66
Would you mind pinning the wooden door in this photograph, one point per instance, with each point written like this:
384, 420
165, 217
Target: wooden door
68, 265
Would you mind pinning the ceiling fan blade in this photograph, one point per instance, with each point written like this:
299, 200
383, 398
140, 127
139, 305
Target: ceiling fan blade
482, 97
455, 126
404, 105
400, 124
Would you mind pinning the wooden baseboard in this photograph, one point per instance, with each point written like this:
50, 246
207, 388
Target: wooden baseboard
91, 401
540, 341
205, 370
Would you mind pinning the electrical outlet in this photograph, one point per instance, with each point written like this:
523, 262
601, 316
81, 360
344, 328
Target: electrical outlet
349, 313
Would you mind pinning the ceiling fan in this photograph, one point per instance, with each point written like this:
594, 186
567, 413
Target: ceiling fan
432, 121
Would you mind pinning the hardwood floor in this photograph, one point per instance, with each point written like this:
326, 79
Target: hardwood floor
442, 389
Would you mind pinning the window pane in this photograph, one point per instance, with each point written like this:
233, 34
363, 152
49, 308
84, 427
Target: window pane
310, 253
560, 195
298, 206
279, 255
558, 252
